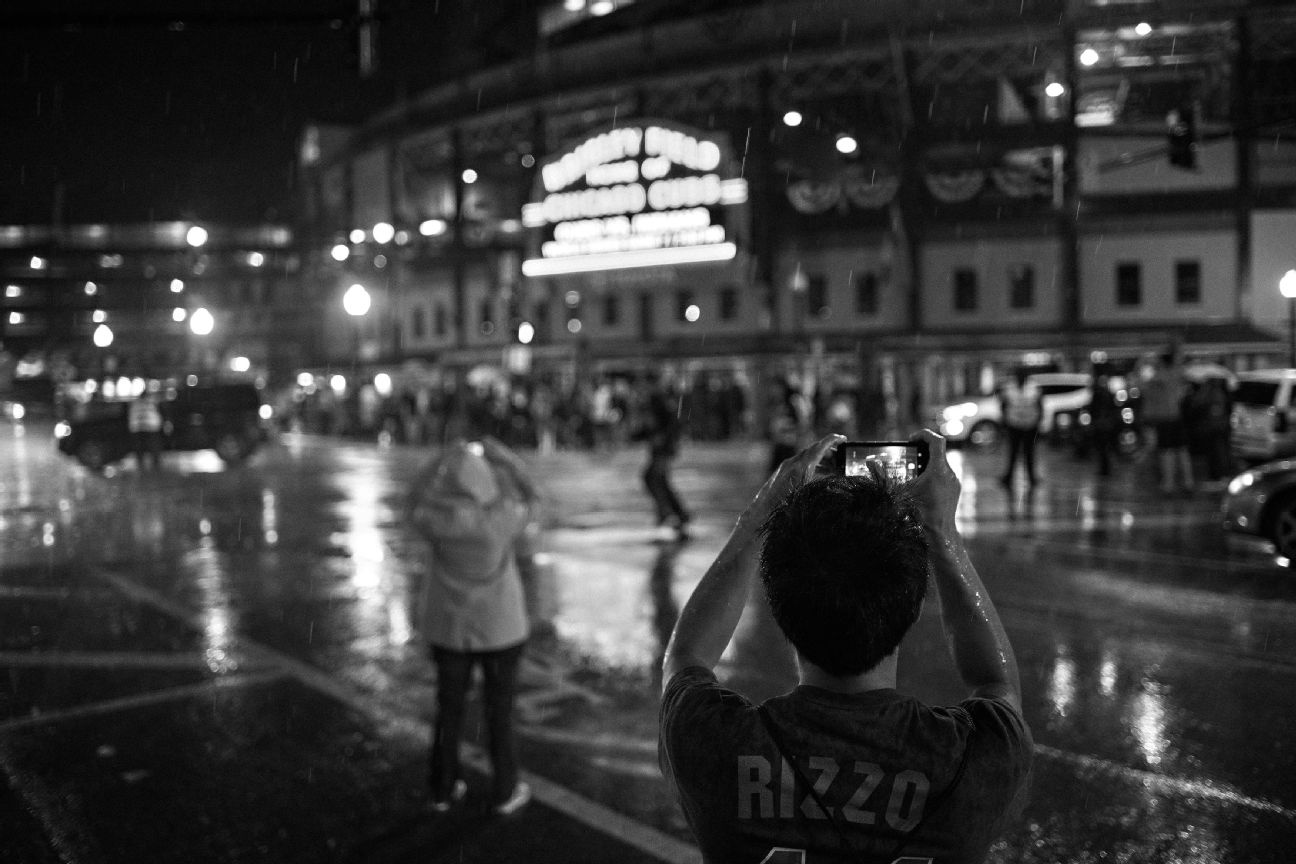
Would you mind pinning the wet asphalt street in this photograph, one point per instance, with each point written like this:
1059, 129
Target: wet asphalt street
215, 665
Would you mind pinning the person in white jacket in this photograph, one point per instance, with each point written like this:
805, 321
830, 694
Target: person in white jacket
472, 504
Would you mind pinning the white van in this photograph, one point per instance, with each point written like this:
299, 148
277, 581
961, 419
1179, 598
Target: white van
1264, 418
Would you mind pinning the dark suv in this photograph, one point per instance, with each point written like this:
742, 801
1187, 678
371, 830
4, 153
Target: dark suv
222, 417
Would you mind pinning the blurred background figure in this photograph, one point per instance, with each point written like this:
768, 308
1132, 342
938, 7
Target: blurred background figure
1163, 407
662, 428
1022, 412
789, 422
1207, 409
1105, 418
145, 420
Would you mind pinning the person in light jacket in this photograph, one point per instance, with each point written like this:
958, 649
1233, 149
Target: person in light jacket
472, 504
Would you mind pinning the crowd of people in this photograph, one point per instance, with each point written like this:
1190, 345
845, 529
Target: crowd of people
533, 412
600, 411
1180, 415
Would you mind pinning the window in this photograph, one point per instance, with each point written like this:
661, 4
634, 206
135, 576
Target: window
487, 317
817, 297
419, 323
866, 295
1129, 284
1188, 281
439, 320
728, 303
611, 310
965, 290
683, 300
1021, 287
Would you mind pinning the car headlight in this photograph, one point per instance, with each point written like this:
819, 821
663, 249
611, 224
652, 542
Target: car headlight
62, 429
1242, 481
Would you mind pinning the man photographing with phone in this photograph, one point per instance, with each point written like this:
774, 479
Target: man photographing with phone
844, 767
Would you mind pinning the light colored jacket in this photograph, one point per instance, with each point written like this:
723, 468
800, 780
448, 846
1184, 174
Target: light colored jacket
470, 598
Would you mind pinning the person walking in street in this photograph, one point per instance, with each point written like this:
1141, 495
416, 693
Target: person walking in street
144, 418
789, 423
1023, 409
1207, 411
1163, 408
473, 504
1104, 421
662, 431
845, 767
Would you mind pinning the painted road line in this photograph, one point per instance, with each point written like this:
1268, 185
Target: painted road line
144, 700
401, 715
107, 660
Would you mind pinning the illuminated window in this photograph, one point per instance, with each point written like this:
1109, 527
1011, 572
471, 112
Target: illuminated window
1129, 284
1188, 281
965, 290
1021, 287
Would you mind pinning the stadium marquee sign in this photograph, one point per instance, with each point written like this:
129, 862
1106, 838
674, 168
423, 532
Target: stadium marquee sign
641, 195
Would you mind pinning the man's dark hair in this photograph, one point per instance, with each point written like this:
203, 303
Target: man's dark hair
844, 563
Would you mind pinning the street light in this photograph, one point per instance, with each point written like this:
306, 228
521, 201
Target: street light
201, 322
356, 303
356, 300
1287, 287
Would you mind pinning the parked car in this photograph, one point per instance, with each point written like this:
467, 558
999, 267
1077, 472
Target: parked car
1263, 421
227, 418
978, 420
1261, 501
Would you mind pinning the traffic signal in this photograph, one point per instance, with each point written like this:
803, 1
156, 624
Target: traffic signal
1181, 138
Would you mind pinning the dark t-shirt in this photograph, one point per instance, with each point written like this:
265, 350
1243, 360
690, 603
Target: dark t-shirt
877, 759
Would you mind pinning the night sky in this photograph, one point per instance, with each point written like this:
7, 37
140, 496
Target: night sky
116, 117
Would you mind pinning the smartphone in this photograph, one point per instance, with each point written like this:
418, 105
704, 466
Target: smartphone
901, 461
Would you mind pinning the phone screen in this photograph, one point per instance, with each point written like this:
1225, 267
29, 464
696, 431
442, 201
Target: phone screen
901, 461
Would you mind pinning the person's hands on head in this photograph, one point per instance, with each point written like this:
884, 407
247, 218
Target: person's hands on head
936, 491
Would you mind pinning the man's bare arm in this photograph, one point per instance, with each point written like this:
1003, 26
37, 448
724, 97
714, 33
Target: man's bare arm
978, 644
711, 614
